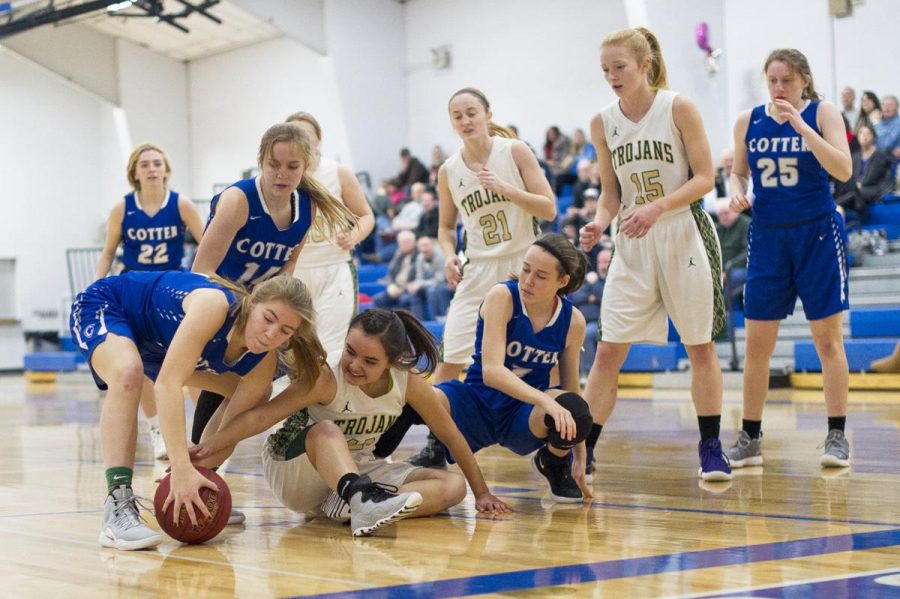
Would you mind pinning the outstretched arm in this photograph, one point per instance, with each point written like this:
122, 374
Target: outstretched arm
260, 418
421, 396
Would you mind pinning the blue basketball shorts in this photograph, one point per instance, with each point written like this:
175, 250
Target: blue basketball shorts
95, 314
808, 260
484, 425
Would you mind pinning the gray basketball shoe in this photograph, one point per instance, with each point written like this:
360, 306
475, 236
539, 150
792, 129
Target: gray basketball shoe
837, 450
123, 528
374, 506
746, 451
336, 508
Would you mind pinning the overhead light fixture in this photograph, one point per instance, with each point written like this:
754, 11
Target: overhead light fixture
120, 6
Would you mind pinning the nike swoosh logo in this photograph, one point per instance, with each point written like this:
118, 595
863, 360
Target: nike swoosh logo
821, 237
255, 217
129, 213
757, 121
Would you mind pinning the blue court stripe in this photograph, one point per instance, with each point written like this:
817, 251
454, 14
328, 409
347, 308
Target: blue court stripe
627, 568
852, 585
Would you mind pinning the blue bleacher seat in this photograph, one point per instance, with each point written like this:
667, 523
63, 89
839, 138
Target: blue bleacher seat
860, 353
654, 358
60, 361
875, 322
886, 216
370, 273
435, 327
371, 289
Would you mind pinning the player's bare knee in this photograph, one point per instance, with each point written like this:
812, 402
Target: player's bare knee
129, 378
325, 430
454, 489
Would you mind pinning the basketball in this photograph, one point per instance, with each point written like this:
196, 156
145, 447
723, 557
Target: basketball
218, 504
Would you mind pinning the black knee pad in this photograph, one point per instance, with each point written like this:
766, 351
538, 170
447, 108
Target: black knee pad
581, 413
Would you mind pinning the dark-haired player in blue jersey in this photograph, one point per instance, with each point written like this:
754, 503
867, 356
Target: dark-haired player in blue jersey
257, 226
525, 328
796, 245
180, 328
149, 224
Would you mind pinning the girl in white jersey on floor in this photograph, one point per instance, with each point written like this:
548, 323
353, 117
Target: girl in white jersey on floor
655, 165
321, 458
325, 264
495, 184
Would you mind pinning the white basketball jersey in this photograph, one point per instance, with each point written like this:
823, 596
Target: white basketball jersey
362, 418
320, 249
494, 226
648, 156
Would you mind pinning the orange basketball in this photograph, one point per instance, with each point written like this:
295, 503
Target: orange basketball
218, 504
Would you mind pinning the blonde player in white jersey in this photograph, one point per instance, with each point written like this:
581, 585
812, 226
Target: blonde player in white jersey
495, 184
325, 264
655, 165
321, 457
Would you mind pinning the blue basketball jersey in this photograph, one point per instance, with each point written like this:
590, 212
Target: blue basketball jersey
147, 308
789, 183
531, 356
152, 242
260, 249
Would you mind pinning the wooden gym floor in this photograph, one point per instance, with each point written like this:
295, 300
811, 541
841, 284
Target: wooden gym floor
788, 530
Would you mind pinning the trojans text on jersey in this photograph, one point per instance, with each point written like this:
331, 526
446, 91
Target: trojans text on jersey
642, 149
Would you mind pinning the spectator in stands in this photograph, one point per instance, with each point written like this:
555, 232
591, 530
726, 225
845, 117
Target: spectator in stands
580, 150
430, 219
582, 215
556, 148
412, 170
591, 181
869, 110
381, 203
732, 229
408, 217
889, 363
437, 159
848, 101
427, 274
887, 131
588, 299
721, 186
400, 272
872, 175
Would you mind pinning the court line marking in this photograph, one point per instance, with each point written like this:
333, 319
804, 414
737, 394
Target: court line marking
573, 574
597, 504
786, 584
158, 554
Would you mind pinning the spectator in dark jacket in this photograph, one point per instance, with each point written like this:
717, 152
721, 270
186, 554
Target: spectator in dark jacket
588, 299
872, 176
412, 170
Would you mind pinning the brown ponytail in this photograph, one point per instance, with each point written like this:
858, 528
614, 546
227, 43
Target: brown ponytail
405, 340
336, 216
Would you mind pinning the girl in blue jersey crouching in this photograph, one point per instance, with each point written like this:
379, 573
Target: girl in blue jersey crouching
178, 329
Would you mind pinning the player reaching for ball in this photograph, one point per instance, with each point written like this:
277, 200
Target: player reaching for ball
322, 457
180, 329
